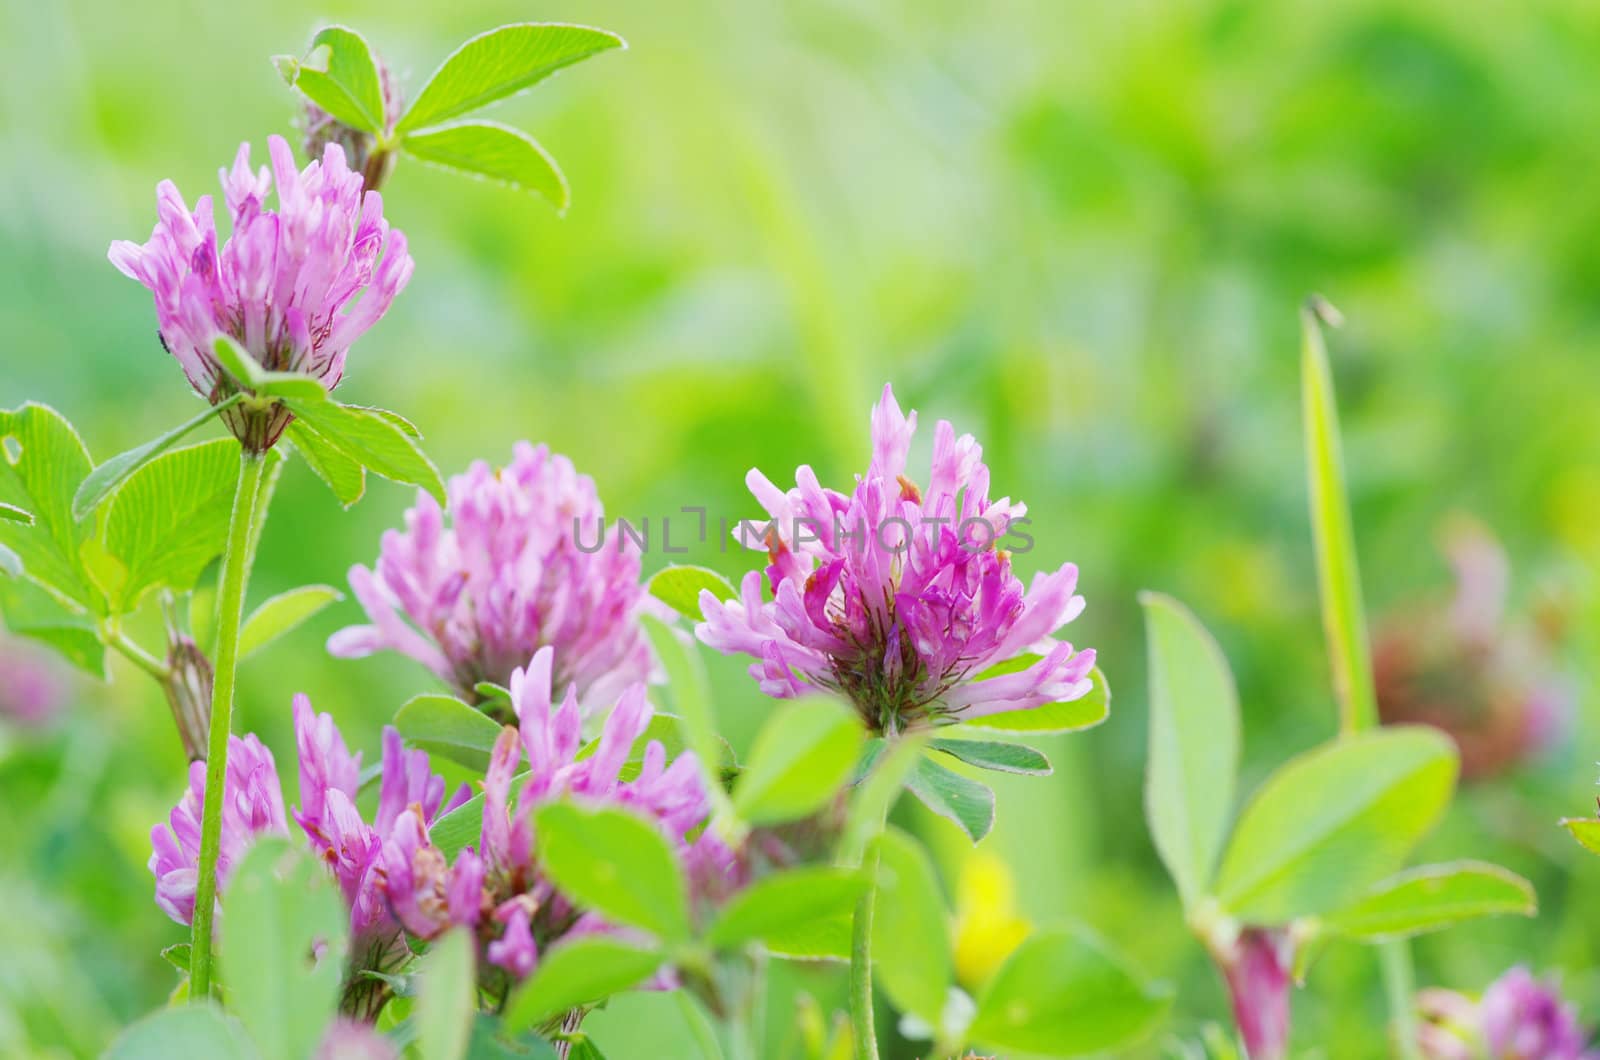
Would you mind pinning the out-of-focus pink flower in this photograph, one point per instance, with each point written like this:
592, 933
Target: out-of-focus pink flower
352, 848
348, 1039
1518, 1018
33, 688
521, 562
1524, 1018
899, 596
1492, 683
295, 287
252, 804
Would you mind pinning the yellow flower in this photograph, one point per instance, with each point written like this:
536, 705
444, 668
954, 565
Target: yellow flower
987, 925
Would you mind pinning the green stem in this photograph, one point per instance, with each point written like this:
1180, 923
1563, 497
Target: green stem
138, 656
230, 611
861, 1015
1399, 983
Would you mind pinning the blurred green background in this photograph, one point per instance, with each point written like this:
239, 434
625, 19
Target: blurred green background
1080, 231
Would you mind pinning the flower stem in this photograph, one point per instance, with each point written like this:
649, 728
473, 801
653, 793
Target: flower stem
230, 610
861, 1016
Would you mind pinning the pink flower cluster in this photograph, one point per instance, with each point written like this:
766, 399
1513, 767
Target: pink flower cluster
498, 888
287, 284
474, 595
899, 596
391, 874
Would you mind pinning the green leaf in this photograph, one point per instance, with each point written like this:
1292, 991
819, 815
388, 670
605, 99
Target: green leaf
910, 929
679, 587
447, 997
445, 725
374, 441
280, 906
884, 770
177, 955
966, 802
343, 80
781, 903
1338, 576
344, 476
34, 613
195, 1029
691, 698
489, 1043
493, 152
588, 968
295, 385
453, 832
11, 513
237, 361
170, 518
1000, 757
1433, 897
1062, 994
498, 64
801, 757
1331, 823
615, 863
42, 463
1194, 745
1085, 712
827, 938
104, 480
1586, 830
283, 613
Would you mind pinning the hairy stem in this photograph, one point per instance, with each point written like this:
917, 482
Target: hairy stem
861, 1017
230, 611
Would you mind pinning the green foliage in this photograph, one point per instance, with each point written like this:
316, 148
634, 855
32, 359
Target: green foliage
616, 863
1586, 830
104, 480
446, 997
340, 75
346, 477
686, 684
1085, 712
1333, 822
779, 905
372, 440
279, 910
910, 929
282, 614
32, 612
187, 1030
493, 152
1194, 745
588, 968
42, 461
1062, 994
997, 756
446, 726
680, 586
170, 519
1343, 617
967, 803
498, 64
800, 759
1432, 897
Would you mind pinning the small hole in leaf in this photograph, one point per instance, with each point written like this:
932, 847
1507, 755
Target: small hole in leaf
12, 445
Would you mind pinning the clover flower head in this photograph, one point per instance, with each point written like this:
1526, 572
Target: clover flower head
899, 596
519, 564
295, 286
